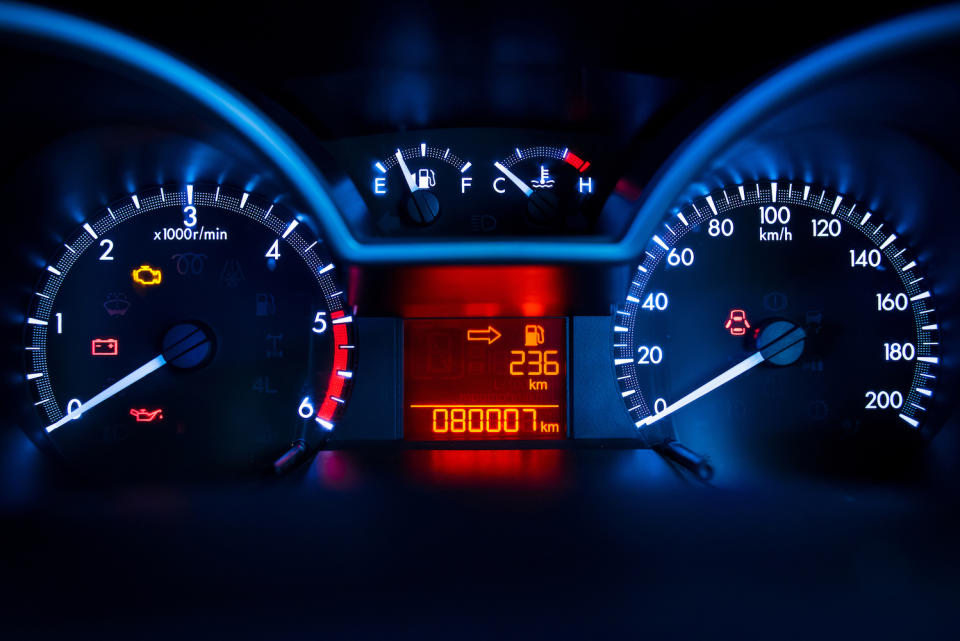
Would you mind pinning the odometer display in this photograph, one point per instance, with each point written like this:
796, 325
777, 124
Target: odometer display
766, 307
485, 379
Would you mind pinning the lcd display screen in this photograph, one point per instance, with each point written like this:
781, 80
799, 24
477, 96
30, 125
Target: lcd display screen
485, 379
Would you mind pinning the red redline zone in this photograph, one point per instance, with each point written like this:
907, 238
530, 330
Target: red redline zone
341, 360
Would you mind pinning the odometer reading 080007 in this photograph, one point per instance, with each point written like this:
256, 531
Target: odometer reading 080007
485, 379
776, 305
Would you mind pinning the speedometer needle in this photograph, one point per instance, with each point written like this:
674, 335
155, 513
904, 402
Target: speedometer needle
527, 191
784, 342
411, 181
743, 366
147, 368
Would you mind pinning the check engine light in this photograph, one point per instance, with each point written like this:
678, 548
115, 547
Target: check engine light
485, 379
147, 276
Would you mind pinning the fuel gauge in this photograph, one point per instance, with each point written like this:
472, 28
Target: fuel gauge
421, 182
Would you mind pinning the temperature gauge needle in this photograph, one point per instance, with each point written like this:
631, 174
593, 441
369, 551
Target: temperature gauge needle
411, 181
144, 370
778, 345
522, 186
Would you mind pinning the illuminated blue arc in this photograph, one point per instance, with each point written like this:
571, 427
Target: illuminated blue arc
684, 166
227, 104
871, 44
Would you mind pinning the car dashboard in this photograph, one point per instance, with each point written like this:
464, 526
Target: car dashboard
390, 320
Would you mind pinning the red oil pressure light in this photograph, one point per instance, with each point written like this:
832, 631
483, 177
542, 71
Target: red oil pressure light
146, 416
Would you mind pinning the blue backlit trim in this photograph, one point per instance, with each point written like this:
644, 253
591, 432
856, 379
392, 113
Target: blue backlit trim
685, 164
231, 107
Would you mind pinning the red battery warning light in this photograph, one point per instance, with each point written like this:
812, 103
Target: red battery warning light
104, 347
737, 322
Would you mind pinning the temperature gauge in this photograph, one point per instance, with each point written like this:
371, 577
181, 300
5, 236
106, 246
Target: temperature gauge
551, 183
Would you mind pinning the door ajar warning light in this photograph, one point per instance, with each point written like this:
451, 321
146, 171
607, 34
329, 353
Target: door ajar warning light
737, 323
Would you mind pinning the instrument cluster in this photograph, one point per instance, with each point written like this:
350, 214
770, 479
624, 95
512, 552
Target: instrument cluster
212, 301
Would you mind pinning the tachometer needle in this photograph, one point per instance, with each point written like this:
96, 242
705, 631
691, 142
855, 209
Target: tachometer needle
411, 181
527, 191
147, 368
783, 342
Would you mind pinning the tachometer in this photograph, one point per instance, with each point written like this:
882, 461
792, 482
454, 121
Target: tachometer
188, 329
775, 306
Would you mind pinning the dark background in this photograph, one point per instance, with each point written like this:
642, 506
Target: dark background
387, 543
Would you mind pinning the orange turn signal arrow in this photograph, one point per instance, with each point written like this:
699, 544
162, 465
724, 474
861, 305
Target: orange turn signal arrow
489, 334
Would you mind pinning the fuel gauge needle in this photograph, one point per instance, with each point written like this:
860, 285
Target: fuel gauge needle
144, 370
527, 191
411, 181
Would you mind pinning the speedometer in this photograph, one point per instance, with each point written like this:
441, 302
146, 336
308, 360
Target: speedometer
777, 306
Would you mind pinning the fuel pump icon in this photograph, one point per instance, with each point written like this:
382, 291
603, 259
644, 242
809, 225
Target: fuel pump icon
533, 335
426, 178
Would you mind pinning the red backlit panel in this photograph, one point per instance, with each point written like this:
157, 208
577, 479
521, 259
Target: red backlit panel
485, 379
447, 291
